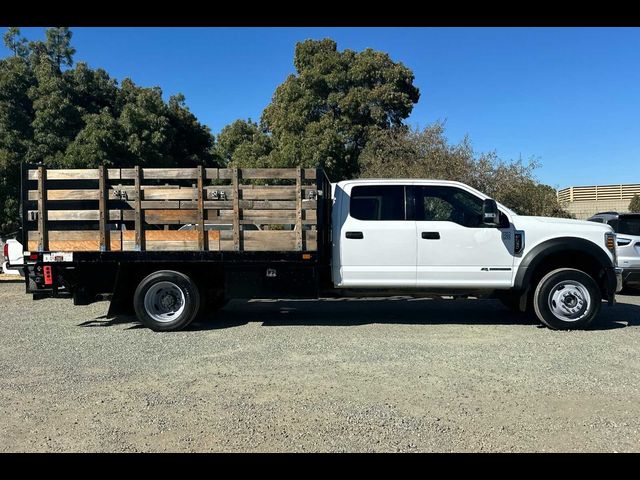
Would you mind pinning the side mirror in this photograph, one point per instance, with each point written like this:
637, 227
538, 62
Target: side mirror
490, 213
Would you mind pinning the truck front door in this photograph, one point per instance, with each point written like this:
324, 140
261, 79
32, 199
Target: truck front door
377, 241
455, 249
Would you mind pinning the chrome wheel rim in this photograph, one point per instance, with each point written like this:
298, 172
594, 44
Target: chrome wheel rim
569, 301
164, 301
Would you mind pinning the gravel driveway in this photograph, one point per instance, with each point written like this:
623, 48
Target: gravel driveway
348, 375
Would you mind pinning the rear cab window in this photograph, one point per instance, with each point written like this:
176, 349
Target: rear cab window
378, 202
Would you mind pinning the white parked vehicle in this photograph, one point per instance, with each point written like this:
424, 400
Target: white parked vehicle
364, 238
627, 226
14, 259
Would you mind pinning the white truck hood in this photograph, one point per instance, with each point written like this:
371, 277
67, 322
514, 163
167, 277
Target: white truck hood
564, 221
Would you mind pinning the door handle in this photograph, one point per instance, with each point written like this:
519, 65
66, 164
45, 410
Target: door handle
431, 235
355, 235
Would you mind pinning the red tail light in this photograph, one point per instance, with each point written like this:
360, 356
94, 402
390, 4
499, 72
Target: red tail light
5, 251
48, 279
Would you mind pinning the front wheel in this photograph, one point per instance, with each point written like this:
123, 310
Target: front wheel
166, 300
567, 299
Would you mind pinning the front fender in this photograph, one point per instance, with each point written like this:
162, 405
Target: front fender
557, 245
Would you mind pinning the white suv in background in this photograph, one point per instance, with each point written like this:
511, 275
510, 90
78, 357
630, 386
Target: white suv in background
627, 228
12, 252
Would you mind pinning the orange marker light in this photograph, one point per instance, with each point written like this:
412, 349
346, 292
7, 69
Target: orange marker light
306, 256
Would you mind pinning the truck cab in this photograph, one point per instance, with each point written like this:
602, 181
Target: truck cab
433, 235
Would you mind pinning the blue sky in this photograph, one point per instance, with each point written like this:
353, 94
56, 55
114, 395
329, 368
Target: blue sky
569, 97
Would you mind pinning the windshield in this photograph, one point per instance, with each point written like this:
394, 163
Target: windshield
627, 225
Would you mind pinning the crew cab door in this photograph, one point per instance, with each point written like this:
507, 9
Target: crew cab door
377, 242
455, 249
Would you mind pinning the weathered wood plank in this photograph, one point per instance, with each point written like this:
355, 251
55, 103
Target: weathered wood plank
172, 173
213, 240
139, 215
283, 195
87, 194
248, 214
202, 238
42, 209
181, 216
162, 193
77, 240
102, 206
163, 240
169, 173
298, 212
273, 240
67, 174
170, 217
311, 240
251, 204
236, 210
86, 215
211, 173
270, 193
274, 221
157, 204
275, 173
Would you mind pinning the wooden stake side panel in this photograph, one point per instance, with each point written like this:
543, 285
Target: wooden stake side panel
129, 209
254, 241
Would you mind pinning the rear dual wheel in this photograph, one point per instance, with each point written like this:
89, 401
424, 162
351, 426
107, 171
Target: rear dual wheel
167, 300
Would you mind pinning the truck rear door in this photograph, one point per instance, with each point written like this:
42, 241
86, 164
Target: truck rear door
377, 244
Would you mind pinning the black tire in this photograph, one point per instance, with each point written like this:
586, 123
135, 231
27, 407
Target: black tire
183, 301
582, 294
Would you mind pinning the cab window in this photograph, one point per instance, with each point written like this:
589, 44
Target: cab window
378, 202
450, 204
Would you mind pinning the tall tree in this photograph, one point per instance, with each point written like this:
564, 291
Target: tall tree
16, 132
56, 119
634, 204
59, 47
404, 153
16, 43
244, 144
326, 112
81, 117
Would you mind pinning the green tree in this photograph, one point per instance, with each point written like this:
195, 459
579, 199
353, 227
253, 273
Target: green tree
56, 120
81, 117
404, 153
15, 42
634, 205
325, 113
191, 142
100, 142
16, 132
244, 144
58, 46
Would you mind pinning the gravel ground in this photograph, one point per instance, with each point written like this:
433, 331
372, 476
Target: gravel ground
378, 375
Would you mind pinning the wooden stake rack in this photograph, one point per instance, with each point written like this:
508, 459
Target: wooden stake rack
142, 209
